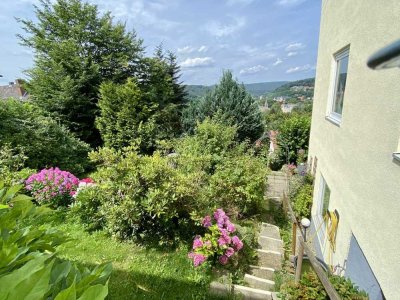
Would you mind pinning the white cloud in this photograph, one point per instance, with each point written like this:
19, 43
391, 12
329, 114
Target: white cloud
299, 68
239, 2
294, 46
203, 49
292, 54
197, 62
191, 49
186, 50
219, 30
289, 2
277, 62
253, 70
140, 12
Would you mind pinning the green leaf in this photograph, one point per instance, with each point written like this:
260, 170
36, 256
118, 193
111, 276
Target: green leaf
67, 294
97, 292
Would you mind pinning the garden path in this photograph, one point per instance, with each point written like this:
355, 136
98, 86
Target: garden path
260, 279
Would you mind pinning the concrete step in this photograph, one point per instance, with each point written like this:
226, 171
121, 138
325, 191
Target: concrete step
269, 230
268, 243
262, 272
270, 259
249, 293
259, 283
220, 289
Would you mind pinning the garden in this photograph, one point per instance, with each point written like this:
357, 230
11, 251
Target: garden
114, 184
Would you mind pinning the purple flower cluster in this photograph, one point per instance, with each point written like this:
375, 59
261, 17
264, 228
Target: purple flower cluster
52, 186
219, 243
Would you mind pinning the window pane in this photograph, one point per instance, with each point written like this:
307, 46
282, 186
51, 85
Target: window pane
340, 84
325, 199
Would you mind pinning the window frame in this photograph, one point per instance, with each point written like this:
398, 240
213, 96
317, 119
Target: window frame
333, 116
319, 207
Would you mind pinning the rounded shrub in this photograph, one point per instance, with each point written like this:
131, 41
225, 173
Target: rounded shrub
52, 186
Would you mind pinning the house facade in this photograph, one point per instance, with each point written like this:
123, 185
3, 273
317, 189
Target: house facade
355, 131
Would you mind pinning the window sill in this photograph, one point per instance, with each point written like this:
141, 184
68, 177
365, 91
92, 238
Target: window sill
334, 120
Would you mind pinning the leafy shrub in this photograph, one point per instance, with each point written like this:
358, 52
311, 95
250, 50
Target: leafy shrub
238, 184
310, 287
294, 133
303, 202
40, 139
29, 268
154, 196
52, 186
87, 207
12, 163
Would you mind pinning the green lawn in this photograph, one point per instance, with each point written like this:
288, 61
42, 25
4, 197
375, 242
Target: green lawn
138, 273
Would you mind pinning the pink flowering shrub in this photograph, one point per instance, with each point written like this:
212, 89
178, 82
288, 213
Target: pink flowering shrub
219, 245
52, 186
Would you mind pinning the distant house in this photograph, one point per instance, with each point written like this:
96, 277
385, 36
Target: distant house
288, 107
273, 145
13, 90
355, 135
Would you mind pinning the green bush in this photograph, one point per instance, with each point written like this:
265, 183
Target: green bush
303, 202
29, 268
310, 287
155, 196
44, 142
294, 133
238, 184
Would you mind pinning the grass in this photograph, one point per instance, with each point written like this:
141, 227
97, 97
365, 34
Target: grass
138, 272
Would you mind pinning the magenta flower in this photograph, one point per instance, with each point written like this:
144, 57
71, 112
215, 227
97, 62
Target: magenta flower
198, 259
230, 227
221, 241
197, 243
229, 252
223, 260
206, 221
219, 214
237, 243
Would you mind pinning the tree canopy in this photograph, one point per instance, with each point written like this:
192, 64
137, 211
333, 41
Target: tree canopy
76, 49
233, 104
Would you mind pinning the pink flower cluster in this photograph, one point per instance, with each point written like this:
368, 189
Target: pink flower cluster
52, 186
219, 243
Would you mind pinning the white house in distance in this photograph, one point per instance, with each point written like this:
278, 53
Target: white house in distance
354, 134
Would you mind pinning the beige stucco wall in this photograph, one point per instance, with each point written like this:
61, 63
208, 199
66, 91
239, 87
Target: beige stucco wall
355, 158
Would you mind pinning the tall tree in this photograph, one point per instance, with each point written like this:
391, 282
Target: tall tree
76, 49
231, 103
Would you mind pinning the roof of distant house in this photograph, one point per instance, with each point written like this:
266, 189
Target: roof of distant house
13, 90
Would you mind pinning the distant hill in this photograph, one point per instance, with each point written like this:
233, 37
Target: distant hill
255, 89
294, 89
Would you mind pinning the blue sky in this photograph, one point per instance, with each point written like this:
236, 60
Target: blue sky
259, 40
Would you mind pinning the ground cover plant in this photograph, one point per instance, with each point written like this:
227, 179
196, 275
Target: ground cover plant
310, 287
29, 267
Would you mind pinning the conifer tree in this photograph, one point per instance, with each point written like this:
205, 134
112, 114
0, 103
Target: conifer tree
230, 102
76, 49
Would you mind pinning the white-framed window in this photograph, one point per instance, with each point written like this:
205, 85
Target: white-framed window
340, 66
323, 199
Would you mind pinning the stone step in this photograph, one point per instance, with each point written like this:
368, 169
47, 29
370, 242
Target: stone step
262, 272
249, 293
269, 230
268, 243
220, 289
270, 259
259, 283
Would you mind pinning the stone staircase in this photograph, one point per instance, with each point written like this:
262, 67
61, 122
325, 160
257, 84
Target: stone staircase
260, 280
